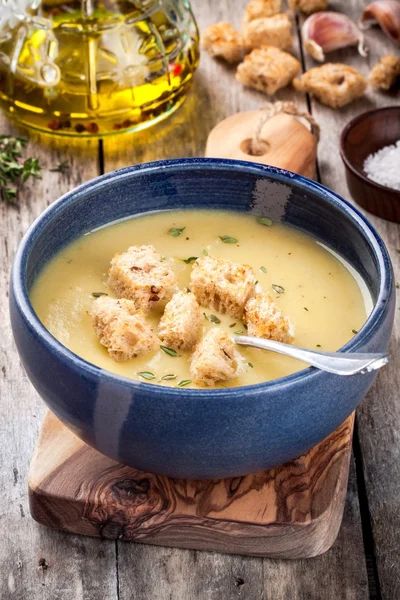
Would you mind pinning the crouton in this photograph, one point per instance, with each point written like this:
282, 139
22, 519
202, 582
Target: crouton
222, 285
256, 9
269, 31
265, 319
223, 41
308, 6
140, 275
180, 323
122, 328
333, 84
384, 74
215, 359
267, 69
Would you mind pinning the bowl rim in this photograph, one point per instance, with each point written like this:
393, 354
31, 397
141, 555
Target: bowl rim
19, 291
344, 156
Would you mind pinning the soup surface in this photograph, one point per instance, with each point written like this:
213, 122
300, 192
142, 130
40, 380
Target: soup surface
324, 297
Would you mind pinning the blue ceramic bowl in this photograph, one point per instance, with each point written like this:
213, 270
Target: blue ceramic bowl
184, 432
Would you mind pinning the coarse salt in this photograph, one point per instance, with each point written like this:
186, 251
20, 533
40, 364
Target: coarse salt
384, 166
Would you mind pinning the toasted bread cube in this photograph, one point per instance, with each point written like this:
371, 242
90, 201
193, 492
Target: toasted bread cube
256, 9
139, 274
122, 328
333, 84
215, 359
269, 31
267, 69
223, 41
265, 320
384, 74
180, 323
222, 285
308, 6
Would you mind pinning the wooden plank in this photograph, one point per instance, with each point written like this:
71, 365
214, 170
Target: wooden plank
340, 573
379, 414
293, 511
71, 566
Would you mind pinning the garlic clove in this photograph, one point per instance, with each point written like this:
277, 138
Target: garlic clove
326, 31
385, 13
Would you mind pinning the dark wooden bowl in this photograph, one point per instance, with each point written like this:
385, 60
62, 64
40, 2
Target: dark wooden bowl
365, 134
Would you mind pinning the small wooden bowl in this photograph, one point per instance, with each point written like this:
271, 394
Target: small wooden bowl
364, 135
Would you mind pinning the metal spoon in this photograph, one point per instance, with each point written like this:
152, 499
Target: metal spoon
339, 363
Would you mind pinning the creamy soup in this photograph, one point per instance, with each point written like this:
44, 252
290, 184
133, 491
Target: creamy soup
325, 298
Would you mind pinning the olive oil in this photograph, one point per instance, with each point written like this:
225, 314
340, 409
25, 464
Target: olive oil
89, 67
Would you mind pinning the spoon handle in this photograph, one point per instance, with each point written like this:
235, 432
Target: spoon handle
339, 363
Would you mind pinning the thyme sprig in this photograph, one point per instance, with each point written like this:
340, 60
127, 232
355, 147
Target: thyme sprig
14, 171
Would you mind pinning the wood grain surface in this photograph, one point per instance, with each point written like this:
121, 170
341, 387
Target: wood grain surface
292, 511
90, 569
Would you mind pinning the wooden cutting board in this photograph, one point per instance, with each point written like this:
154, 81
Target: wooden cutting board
292, 511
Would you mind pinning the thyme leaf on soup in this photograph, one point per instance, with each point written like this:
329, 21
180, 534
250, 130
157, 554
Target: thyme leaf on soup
184, 382
264, 221
263, 269
176, 231
212, 318
228, 239
169, 351
305, 308
190, 259
147, 375
318, 345
168, 377
205, 252
239, 332
251, 365
278, 288
232, 325
354, 331
98, 294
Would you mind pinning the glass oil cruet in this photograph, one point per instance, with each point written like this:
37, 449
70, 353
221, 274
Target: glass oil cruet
95, 67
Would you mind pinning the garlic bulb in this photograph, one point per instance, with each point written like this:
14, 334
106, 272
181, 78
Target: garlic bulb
385, 13
327, 31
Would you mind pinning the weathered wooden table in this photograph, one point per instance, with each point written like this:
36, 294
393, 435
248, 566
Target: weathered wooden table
39, 563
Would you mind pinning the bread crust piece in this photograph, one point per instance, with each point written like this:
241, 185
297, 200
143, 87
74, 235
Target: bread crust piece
222, 285
383, 75
256, 9
223, 41
180, 323
265, 319
122, 328
215, 359
333, 84
269, 31
139, 274
267, 69
308, 6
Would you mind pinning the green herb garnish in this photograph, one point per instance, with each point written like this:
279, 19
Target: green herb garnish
168, 377
175, 231
318, 345
62, 167
190, 259
264, 221
305, 308
184, 382
278, 288
212, 318
205, 252
147, 375
98, 294
232, 325
354, 331
263, 269
251, 365
227, 239
169, 351
239, 332
13, 170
